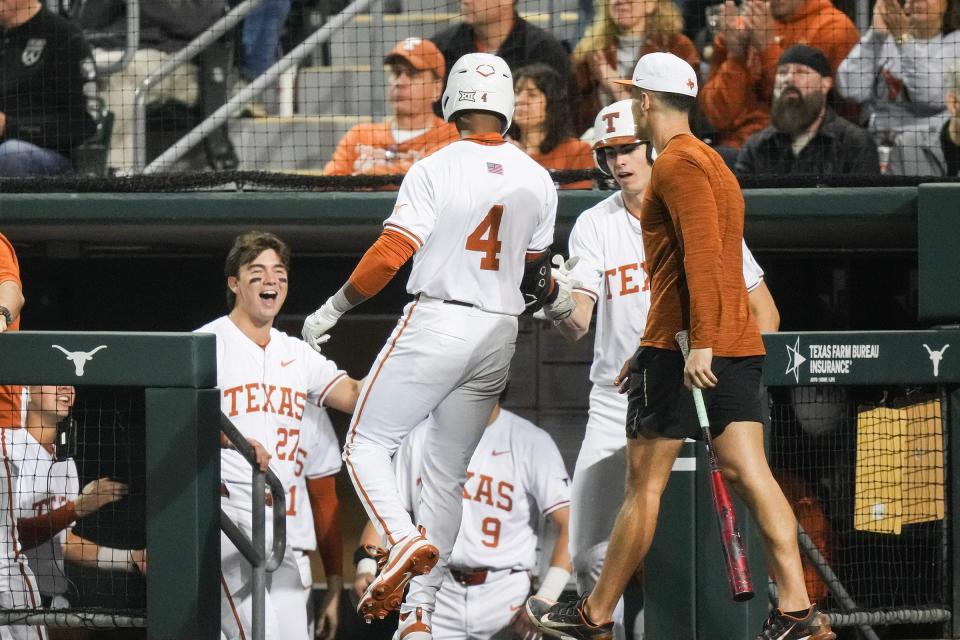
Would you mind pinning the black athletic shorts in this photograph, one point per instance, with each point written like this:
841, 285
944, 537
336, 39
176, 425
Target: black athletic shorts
659, 403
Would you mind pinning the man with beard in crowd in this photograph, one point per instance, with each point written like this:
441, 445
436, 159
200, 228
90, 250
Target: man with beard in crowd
806, 135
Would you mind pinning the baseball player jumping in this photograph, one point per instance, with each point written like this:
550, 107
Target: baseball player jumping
488, 577
477, 217
266, 379
613, 280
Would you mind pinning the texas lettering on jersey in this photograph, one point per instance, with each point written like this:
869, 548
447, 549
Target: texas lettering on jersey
627, 279
482, 491
254, 397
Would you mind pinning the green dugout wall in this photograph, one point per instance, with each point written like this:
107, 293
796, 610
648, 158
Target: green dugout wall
177, 373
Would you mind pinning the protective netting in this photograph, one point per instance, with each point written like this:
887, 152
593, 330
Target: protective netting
323, 87
864, 469
77, 484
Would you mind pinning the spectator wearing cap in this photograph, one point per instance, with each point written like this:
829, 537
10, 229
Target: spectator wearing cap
542, 123
736, 96
933, 148
390, 147
494, 26
896, 72
806, 134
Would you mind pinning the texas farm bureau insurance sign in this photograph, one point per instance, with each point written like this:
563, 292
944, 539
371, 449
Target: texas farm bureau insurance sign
878, 357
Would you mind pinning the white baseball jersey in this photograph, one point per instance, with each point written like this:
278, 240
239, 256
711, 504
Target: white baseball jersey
607, 240
318, 456
265, 392
42, 485
471, 242
18, 588
515, 462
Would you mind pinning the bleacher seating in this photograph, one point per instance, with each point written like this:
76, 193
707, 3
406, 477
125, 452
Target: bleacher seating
330, 99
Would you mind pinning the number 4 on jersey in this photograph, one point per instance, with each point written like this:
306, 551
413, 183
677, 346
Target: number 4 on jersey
490, 245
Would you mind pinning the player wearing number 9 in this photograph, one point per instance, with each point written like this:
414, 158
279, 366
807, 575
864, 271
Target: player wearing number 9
472, 216
489, 575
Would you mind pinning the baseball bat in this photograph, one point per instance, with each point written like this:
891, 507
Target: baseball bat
734, 554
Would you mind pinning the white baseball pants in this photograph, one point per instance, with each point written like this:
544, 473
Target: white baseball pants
449, 360
481, 611
597, 490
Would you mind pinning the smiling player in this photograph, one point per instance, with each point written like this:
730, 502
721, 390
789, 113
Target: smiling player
266, 378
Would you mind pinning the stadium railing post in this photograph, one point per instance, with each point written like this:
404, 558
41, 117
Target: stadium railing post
183, 514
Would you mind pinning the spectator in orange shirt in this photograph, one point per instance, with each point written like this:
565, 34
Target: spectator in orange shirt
414, 131
11, 302
621, 32
541, 122
736, 97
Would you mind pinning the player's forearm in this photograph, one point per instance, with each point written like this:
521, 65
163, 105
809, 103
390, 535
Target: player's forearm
555, 579
764, 309
577, 324
87, 553
326, 523
561, 549
37, 530
11, 297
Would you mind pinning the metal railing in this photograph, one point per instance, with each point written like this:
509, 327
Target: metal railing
131, 45
254, 548
197, 46
268, 78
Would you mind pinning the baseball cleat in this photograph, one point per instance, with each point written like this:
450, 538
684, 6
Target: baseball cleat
414, 625
412, 556
566, 620
813, 626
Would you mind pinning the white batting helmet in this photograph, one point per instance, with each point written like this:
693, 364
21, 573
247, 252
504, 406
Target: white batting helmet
614, 126
479, 82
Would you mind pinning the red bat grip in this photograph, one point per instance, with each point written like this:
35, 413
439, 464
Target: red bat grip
738, 573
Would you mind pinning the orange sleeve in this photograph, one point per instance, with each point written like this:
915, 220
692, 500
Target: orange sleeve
686, 191
381, 262
38, 529
344, 156
326, 523
730, 102
9, 267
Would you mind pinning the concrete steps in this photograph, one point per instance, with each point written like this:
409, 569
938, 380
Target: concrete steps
295, 144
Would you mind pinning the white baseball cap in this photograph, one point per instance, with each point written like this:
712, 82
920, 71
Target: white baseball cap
663, 72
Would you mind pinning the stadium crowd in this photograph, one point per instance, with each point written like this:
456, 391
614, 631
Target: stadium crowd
894, 80
788, 86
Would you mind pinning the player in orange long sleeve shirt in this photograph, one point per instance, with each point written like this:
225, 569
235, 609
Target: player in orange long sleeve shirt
692, 224
736, 96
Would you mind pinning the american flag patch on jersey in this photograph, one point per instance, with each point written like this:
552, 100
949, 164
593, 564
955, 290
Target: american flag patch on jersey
493, 167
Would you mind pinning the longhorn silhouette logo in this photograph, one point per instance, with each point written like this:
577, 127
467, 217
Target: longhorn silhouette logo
936, 357
78, 358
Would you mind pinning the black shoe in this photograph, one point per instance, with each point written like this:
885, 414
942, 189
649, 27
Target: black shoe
566, 620
813, 626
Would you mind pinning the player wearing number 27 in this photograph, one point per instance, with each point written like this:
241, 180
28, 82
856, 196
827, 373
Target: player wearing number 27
266, 379
691, 220
477, 217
